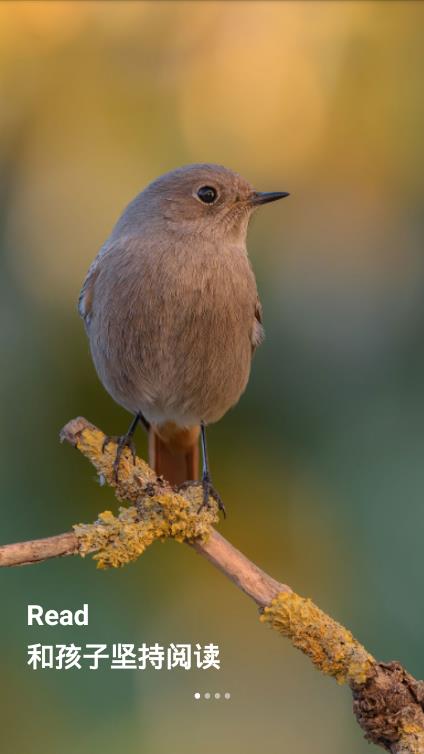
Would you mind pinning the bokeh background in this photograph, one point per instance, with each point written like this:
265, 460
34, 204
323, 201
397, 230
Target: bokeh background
321, 463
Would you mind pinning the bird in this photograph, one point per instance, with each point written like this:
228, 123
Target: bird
172, 313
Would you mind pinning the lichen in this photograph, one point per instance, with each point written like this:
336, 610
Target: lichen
156, 511
133, 475
389, 708
118, 540
411, 740
330, 646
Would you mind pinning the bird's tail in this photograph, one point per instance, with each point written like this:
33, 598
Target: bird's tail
174, 452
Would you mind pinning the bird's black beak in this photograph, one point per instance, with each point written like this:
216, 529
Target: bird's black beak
263, 197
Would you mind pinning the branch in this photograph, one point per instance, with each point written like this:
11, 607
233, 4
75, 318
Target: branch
37, 550
387, 701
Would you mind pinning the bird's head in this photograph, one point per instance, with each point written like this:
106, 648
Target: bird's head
201, 199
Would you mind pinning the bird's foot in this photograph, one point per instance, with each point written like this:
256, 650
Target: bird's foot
122, 441
209, 491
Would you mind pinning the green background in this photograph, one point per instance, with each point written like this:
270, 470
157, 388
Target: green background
321, 463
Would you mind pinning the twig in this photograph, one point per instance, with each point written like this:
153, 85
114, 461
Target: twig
37, 550
387, 701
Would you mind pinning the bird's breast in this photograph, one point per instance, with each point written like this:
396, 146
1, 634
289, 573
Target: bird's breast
178, 329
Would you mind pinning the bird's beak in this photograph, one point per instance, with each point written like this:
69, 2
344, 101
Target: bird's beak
263, 197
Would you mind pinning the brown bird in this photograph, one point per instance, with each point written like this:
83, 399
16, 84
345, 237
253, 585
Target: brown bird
172, 312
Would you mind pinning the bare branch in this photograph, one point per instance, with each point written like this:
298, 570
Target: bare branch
37, 550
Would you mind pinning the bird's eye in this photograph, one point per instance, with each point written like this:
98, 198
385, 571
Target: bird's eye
207, 194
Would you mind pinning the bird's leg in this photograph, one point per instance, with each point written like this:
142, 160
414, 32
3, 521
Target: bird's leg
208, 488
125, 441
206, 482
142, 419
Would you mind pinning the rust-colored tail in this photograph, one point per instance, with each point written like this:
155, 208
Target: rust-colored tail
174, 452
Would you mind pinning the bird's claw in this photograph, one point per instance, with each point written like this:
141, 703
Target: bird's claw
122, 442
209, 491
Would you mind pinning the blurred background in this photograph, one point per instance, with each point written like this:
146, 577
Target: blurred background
321, 463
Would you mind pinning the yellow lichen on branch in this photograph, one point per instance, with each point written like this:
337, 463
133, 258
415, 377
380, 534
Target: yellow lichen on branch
118, 540
90, 441
330, 646
387, 701
158, 512
411, 740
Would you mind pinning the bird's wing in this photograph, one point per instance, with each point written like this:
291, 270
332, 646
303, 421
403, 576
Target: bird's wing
258, 332
86, 297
